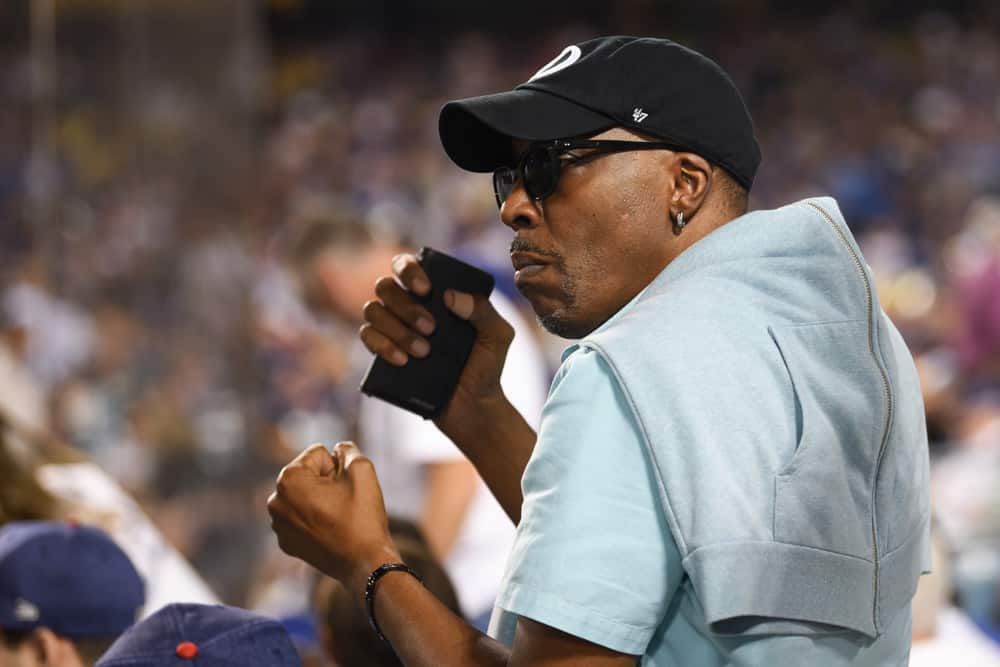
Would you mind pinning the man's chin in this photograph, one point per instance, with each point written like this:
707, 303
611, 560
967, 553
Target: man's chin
554, 315
557, 326
556, 322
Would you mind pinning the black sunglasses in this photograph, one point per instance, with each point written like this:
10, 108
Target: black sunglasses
541, 165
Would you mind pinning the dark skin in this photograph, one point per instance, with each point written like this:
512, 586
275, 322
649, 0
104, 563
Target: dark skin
603, 235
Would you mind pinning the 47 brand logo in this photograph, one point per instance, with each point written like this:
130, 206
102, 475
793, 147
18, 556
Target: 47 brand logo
639, 115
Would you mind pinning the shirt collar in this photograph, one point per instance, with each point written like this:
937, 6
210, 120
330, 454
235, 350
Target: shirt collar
607, 323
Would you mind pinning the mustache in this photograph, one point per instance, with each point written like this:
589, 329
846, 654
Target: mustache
523, 245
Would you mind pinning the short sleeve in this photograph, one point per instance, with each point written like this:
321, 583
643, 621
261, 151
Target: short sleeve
593, 556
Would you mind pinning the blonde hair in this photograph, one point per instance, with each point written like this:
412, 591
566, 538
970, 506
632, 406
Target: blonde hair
22, 451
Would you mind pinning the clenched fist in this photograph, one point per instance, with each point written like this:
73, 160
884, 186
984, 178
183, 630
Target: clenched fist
328, 510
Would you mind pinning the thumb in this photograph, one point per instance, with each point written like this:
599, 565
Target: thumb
344, 454
480, 313
359, 470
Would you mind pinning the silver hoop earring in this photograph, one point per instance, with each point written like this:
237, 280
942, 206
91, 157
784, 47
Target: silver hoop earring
679, 222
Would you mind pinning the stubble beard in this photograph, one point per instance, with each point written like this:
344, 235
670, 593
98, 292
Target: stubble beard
559, 321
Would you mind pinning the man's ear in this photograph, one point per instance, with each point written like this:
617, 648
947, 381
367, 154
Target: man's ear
42, 647
692, 181
51, 650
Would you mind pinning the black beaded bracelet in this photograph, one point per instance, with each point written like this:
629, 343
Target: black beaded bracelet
373, 578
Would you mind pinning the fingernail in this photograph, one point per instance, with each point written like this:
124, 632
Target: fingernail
461, 304
425, 326
421, 286
420, 347
398, 358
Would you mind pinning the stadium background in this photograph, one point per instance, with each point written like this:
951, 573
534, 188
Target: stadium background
151, 153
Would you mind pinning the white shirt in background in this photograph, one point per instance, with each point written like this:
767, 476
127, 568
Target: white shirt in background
957, 643
169, 578
400, 444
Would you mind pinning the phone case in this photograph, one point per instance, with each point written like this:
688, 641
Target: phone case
424, 386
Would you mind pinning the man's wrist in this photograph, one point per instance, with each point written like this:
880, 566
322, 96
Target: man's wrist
484, 411
368, 564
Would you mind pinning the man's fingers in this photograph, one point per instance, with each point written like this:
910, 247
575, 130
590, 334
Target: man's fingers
390, 326
410, 275
380, 344
274, 507
460, 303
361, 472
316, 458
400, 302
478, 310
346, 452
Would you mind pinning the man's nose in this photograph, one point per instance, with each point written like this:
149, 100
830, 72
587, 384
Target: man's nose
519, 210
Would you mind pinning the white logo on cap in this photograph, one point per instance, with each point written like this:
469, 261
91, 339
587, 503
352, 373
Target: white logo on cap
25, 611
639, 115
568, 56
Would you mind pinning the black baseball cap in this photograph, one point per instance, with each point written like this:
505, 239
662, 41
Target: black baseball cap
654, 86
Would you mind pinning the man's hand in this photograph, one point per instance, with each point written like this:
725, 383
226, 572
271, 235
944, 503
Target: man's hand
479, 419
396, 325
328, 511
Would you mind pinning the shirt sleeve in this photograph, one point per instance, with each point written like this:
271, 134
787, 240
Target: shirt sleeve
593, 556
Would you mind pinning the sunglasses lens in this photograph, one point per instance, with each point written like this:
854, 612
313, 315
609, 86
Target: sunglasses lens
504, 182
540, 168
541, 172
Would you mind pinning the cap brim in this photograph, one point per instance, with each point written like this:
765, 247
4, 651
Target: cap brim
476, 132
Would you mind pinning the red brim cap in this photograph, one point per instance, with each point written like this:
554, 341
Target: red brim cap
476, 132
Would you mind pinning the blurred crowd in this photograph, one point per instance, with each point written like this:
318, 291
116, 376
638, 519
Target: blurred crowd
152, 318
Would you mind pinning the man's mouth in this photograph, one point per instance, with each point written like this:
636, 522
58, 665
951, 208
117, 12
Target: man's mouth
527, 264
522, 260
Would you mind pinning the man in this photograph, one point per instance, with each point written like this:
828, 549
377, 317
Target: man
731, 467
424, 478
203, 636
66, 593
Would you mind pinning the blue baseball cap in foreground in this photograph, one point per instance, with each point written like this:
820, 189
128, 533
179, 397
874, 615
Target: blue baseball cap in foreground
197, 635
649, 85
69, 578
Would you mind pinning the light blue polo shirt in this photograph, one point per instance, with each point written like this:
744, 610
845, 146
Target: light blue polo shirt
595, 558
732, 470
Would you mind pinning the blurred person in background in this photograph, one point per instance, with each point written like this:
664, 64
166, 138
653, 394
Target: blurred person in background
50, 481
966, 497
943, 634
203, 636
23, 398
426, 479
66, 593
59, 335
345, 634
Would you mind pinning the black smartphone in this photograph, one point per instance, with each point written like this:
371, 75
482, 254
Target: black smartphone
425, 386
